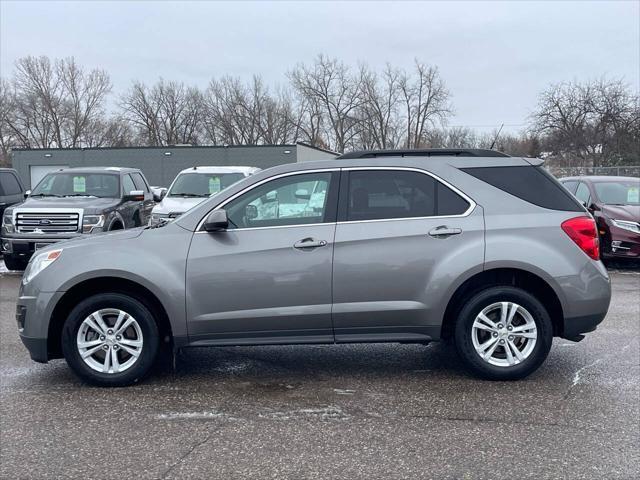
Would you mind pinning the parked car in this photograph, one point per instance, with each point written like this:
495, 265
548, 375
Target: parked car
71, 203
194, 185
11, 189
614, 203
402, 246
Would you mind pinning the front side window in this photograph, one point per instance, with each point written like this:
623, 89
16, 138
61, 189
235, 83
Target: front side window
292, 200
70, 184
139, 182
9, 184
202, 184
624, 192
388, 194
128, 185
570, 185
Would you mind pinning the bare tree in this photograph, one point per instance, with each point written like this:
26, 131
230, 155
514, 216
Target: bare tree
593, 123
168, 113
330, 88
426, 102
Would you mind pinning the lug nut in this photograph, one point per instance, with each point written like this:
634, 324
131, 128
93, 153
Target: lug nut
500, 325
495, 334
509, 328
105, 347
510, 337
109, 332
501, 342
102, 337
118, 337
115, 347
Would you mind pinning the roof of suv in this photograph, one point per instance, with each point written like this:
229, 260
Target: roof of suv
225, 169
98, 170
425, 152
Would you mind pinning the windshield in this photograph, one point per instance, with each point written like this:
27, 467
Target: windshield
619, 192
202, 184
62, 184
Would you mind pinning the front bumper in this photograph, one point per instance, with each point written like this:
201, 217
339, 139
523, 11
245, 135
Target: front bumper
33, 315
25, 245
620, 243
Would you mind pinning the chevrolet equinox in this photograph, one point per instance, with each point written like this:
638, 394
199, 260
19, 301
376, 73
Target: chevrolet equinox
486, 250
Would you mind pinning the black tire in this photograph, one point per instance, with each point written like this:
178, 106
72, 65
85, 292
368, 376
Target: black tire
13, 262
467, 316
142, 315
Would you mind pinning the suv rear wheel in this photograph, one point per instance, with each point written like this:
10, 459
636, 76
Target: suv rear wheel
503, 333
110, 340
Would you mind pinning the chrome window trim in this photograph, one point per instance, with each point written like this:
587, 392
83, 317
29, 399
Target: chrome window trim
466, 213
255, 185
472, 203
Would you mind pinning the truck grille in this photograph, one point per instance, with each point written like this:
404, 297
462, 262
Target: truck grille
66, 222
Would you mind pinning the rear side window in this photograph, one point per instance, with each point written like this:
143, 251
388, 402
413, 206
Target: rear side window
531, 184
570, 185
128, 184
139, 182
9, 184
388, 194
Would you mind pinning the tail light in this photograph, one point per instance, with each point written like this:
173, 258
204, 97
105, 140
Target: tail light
582, 230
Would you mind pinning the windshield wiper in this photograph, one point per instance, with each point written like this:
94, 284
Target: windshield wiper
80, 195
45, 195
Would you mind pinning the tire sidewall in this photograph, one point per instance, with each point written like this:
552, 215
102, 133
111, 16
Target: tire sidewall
463, 333
149, 333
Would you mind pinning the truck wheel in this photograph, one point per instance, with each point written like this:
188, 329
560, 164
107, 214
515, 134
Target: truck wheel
13, 262
503, 333
110, 340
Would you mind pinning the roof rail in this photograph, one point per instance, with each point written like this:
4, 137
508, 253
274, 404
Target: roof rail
425, 152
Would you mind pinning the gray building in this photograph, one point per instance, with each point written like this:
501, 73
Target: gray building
159, 164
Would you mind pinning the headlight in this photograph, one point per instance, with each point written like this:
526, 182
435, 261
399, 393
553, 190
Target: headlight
627, 225
91, 222
38, 263
7, 222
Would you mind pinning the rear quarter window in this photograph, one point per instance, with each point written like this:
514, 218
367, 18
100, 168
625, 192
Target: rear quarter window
531, 184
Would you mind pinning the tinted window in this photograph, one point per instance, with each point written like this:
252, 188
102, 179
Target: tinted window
139, 182
291, 200
582, 193
202, 184
384, 194
127, 184
9, 184
570, 185
71, 184
532, 184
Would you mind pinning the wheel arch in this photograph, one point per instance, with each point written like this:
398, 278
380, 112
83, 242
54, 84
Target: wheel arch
507, 276
93, 286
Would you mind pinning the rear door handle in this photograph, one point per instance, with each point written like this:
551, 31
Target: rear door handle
309, 243
443, 231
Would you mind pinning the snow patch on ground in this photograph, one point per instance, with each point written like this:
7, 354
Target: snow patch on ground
192, 416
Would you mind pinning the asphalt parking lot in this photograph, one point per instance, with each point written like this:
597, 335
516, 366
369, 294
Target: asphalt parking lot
363, 411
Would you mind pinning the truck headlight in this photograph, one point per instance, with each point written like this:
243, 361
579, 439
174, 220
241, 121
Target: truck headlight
7, 223
38, 263
627, 225
91, 223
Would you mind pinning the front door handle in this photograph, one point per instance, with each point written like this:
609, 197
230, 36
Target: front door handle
309, 243
443, 232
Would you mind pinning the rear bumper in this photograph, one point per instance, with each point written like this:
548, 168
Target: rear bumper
576, 326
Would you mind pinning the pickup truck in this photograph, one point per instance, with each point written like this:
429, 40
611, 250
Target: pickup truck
72, 202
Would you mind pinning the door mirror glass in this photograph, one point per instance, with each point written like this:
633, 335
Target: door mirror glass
216, 221
134, 196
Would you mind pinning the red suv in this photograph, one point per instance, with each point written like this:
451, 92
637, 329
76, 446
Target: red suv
614, 202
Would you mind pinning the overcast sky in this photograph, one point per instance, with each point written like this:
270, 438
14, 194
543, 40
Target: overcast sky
494, 56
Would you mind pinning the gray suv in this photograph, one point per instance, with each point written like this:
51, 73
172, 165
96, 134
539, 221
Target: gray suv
487, 250
73, 202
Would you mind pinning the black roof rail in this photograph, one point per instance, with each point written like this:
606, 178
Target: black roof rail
425, 152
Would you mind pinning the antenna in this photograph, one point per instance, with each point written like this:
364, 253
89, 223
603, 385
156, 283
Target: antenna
495, 139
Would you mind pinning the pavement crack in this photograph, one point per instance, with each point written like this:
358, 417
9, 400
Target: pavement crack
186, 454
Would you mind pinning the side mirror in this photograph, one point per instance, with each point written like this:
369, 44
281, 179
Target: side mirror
27, 193
134, 196
216, 221
159, 194
303, 194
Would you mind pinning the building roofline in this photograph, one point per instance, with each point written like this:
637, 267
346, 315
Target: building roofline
167, 147
304, 144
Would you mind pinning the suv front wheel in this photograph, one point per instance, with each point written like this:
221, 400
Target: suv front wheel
110, 340
503, 333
